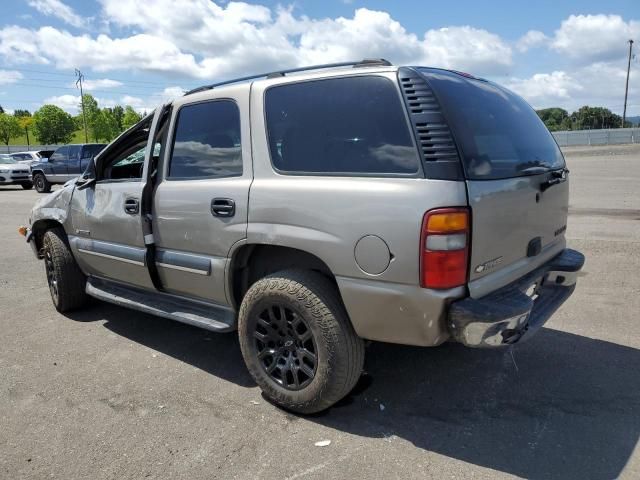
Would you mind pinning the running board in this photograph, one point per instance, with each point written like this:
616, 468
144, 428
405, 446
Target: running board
199, 314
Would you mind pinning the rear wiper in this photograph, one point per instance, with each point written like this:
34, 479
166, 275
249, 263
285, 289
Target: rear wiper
557, 176
537, 170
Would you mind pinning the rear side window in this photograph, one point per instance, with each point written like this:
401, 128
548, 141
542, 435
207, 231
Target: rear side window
90, 151
499, 134
207, 141
339, 126
60, 154
74, 152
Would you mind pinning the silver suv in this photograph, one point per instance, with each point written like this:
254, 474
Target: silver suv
315, 208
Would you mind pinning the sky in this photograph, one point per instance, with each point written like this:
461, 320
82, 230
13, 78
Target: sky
141, 53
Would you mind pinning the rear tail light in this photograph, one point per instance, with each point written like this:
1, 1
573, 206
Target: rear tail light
444, 248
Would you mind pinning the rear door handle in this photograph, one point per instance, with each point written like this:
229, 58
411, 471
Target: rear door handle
132, 206
223, 207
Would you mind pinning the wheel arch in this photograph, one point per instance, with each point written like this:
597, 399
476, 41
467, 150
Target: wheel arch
40, 227
250, 262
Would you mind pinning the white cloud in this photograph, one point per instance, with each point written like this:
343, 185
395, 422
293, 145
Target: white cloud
69, 103
598, 84
467, 48
590, 38
9, 76
542, 89
101, 83
56, 8
531, 39
17, 45
209, 41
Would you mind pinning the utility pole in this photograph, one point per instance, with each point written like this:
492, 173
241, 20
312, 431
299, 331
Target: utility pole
626, 88
80, 77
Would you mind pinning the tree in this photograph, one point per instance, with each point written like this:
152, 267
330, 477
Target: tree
130, 118
105, 125
25, 123
52, 125
1, 109
118, 113
21, 113
9, 128
553, 118
595, 117
92, 112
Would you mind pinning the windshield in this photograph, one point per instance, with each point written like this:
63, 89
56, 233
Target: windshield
6, 159
498, 133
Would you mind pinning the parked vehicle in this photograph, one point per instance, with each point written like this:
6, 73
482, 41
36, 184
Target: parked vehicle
312, 209
14, 173
66, 163
31, 157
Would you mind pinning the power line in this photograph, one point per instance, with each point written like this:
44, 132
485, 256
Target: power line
69, 75
118, 90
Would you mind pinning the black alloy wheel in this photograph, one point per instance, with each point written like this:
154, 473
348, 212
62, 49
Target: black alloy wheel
285, 347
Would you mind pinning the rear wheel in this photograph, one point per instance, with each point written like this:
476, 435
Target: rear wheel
27, 185
298, 342
66, 281
41, 183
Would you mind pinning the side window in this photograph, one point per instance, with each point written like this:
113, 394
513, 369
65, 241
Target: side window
90, 151
353, 125
60, 154
206, 142
74, 152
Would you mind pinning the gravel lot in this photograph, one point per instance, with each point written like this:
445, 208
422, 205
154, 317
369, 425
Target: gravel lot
110, 393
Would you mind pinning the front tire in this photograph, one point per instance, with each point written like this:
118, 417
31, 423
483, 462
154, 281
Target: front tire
66, 281
298, 342
27, 185
41, 183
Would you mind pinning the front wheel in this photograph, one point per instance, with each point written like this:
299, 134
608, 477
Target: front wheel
66, 281
41, 183
298, 342
27, 185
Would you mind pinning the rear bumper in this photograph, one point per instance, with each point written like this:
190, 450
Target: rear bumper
515, 312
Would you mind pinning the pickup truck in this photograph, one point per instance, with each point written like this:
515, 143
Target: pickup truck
66, 163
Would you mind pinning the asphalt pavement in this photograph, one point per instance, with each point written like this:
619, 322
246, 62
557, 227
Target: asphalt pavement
109, 393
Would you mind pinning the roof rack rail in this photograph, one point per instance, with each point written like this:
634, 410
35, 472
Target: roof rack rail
367, 62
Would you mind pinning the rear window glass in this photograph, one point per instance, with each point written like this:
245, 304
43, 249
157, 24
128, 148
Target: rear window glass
339, 126
499, 134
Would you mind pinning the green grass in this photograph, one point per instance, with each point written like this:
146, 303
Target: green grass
78, 137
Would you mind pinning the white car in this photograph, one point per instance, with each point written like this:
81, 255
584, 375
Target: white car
14, 173
31, 157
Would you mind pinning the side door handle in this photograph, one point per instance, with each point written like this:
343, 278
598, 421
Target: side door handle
132, 206
223, 207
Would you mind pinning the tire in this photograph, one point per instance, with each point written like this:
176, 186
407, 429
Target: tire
286, 318
27, 185
66, 281
41, 183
